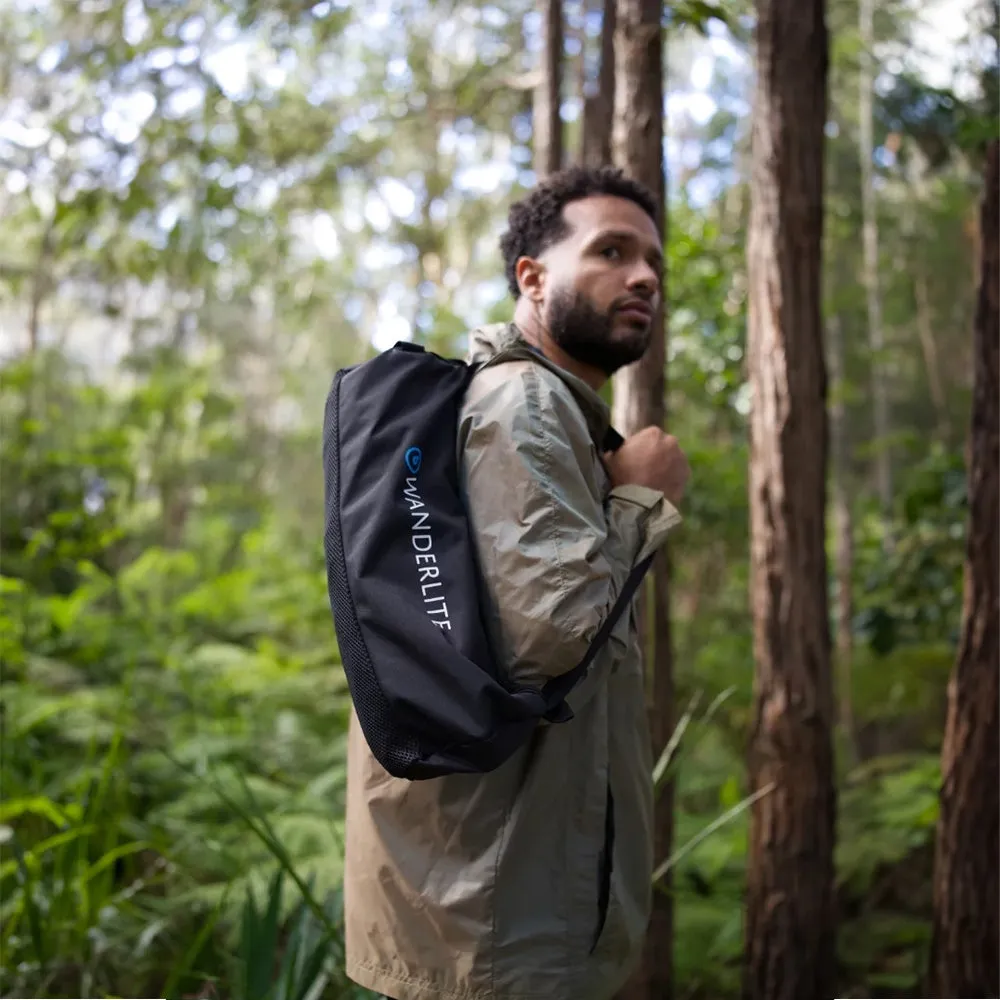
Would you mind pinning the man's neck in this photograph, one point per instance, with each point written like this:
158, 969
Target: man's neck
534, 331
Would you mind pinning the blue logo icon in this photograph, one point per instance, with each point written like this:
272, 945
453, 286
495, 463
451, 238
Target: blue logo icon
413, 458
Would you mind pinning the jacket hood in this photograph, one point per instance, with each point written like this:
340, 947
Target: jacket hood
489, 340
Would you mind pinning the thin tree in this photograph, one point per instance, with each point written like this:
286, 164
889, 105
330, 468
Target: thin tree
639, 401
965, 960
917, 267
548, 137
843, 526
598, 106
843, 535
789, 919
873, 295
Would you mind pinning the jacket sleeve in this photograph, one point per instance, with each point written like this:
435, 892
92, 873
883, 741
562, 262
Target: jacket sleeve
554, 551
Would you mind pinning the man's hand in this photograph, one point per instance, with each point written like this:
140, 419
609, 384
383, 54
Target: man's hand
650, 458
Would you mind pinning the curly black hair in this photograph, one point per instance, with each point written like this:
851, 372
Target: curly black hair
536, 221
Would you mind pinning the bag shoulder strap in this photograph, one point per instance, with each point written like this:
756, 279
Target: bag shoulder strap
556, 690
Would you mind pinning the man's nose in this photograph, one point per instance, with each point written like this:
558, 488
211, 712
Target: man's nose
643, 276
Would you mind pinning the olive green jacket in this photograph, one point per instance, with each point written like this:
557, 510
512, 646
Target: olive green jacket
532, 882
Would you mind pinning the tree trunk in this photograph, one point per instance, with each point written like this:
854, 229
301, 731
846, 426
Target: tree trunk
598, 108
910, 260
880, 398
40, 285
843, 535
639, 401
929, 347
789, 952
965, 961
548, 94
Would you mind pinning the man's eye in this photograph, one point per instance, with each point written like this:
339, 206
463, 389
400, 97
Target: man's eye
611, 253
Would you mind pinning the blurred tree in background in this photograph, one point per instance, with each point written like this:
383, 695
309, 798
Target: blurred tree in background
208, 207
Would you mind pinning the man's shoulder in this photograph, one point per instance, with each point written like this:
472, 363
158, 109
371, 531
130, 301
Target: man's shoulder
523, 406
518, 383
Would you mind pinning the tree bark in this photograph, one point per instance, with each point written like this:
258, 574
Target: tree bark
843, 535
789, 951
548, 138
965, 960
639, 401
880, 398
598, 108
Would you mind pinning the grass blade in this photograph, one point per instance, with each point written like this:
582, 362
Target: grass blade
660, 770
716, 824
186, 965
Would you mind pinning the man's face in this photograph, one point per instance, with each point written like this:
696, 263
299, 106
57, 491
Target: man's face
602, 283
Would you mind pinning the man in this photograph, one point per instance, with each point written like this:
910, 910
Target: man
534, 881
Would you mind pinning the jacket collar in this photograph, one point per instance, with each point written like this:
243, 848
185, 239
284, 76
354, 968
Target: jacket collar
504, 341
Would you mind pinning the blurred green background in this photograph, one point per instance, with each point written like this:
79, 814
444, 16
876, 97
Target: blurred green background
207, 208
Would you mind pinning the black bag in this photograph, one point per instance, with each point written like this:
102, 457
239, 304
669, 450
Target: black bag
403, 580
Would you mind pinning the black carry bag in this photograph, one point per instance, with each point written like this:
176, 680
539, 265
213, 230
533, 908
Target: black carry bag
403, 580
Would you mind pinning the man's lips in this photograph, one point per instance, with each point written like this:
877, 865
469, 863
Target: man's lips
635, 310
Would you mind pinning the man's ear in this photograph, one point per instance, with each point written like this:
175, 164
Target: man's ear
531, 277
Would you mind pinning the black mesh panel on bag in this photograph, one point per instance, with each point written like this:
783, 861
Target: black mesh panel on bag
369, 701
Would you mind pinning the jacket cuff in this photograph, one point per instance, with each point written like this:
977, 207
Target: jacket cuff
657, 519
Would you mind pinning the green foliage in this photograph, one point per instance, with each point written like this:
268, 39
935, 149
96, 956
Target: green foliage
234, 197
887, 813
698, 14
909, 570
304, 953
137, 677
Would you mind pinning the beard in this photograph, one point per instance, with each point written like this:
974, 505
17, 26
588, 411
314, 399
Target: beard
588, 335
